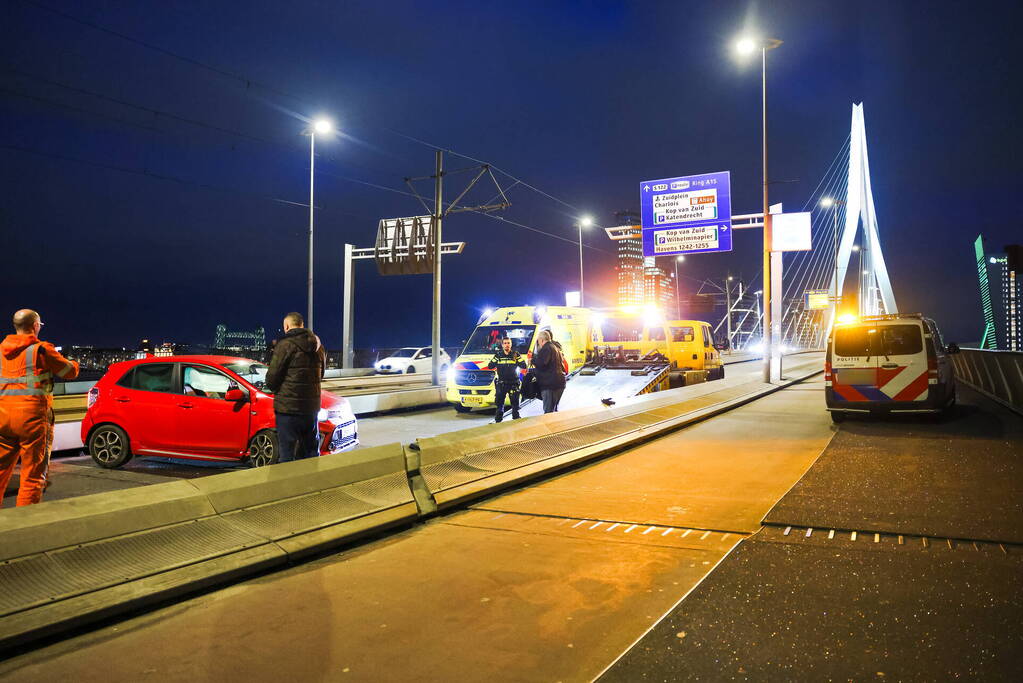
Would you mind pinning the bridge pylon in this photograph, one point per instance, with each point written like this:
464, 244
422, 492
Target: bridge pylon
875, 288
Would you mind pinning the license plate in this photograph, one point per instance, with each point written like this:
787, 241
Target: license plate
343, 436
474, 400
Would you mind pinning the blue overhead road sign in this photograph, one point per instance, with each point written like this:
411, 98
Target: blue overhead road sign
686, 215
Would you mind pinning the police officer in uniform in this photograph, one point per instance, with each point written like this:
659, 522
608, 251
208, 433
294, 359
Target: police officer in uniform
507, 363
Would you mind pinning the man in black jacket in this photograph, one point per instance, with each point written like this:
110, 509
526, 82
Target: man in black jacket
550, 371
506, 381
294, 379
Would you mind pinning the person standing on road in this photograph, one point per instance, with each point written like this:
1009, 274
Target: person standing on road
550, 371
296, 369
27, 369
506, 382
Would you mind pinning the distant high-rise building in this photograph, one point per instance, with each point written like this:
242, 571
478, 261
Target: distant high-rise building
1001, 291
658, 286
641, 282
631, 272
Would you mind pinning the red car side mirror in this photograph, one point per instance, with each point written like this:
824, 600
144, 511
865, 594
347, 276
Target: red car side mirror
235, 395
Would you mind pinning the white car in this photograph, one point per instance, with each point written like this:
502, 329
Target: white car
410, 360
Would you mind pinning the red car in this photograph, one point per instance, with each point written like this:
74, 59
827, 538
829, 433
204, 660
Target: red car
196, 407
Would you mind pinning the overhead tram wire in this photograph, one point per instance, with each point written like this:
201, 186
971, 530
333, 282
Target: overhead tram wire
518, 181
249, 83
150, 174
476, 211
195, 122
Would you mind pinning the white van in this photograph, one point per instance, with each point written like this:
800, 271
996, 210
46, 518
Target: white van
888, 363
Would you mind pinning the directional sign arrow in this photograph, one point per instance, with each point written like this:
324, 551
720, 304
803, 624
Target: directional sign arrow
646, 188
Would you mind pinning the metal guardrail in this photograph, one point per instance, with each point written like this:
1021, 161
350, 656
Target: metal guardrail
996, 374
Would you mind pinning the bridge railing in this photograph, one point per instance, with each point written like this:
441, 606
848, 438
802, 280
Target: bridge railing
996, 374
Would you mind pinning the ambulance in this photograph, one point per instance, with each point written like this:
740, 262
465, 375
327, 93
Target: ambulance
888, 363
470, 387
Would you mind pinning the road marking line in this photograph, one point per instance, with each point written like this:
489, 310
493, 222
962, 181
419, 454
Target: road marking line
581, 521
667, 531
831, 534
877, 538
631, 528
787, 530
927, 544
595, 526
809, 530
901, 540
852, 536
688, 531
497, 517
612, 527
949, 541
1003, 548
705, 535
975, 546
724, 536
649, 530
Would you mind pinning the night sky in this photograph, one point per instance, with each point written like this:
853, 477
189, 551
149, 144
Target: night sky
154, 167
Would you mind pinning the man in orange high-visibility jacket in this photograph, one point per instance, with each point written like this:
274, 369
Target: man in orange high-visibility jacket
27, 370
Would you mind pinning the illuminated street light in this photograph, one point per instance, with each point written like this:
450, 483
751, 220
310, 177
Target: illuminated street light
318, 127
746, 46
827, 202
584, 222
855, 247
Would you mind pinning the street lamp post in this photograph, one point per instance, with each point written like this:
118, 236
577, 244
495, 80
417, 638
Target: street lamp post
747, 46
321, 126
678, 292
833, 204
584, 222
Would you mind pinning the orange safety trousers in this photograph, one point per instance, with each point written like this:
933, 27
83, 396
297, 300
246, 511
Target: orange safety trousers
26, 437
27, 369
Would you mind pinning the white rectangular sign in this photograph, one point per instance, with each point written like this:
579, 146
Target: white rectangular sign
791, 232
673, 240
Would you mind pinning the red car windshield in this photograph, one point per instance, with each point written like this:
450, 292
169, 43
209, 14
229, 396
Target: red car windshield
252, 372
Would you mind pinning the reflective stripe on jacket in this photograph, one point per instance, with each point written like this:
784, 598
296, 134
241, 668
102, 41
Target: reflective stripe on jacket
28, 368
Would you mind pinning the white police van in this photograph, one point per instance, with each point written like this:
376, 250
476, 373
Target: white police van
888, 363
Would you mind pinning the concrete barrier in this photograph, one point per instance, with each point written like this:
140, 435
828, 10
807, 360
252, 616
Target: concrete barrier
996, 374
67, 563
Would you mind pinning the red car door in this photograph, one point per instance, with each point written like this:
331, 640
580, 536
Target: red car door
208, 425
143, 403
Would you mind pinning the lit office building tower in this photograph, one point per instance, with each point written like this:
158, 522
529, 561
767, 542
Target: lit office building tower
631, 286
658, 286
641, 282
1001, 292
